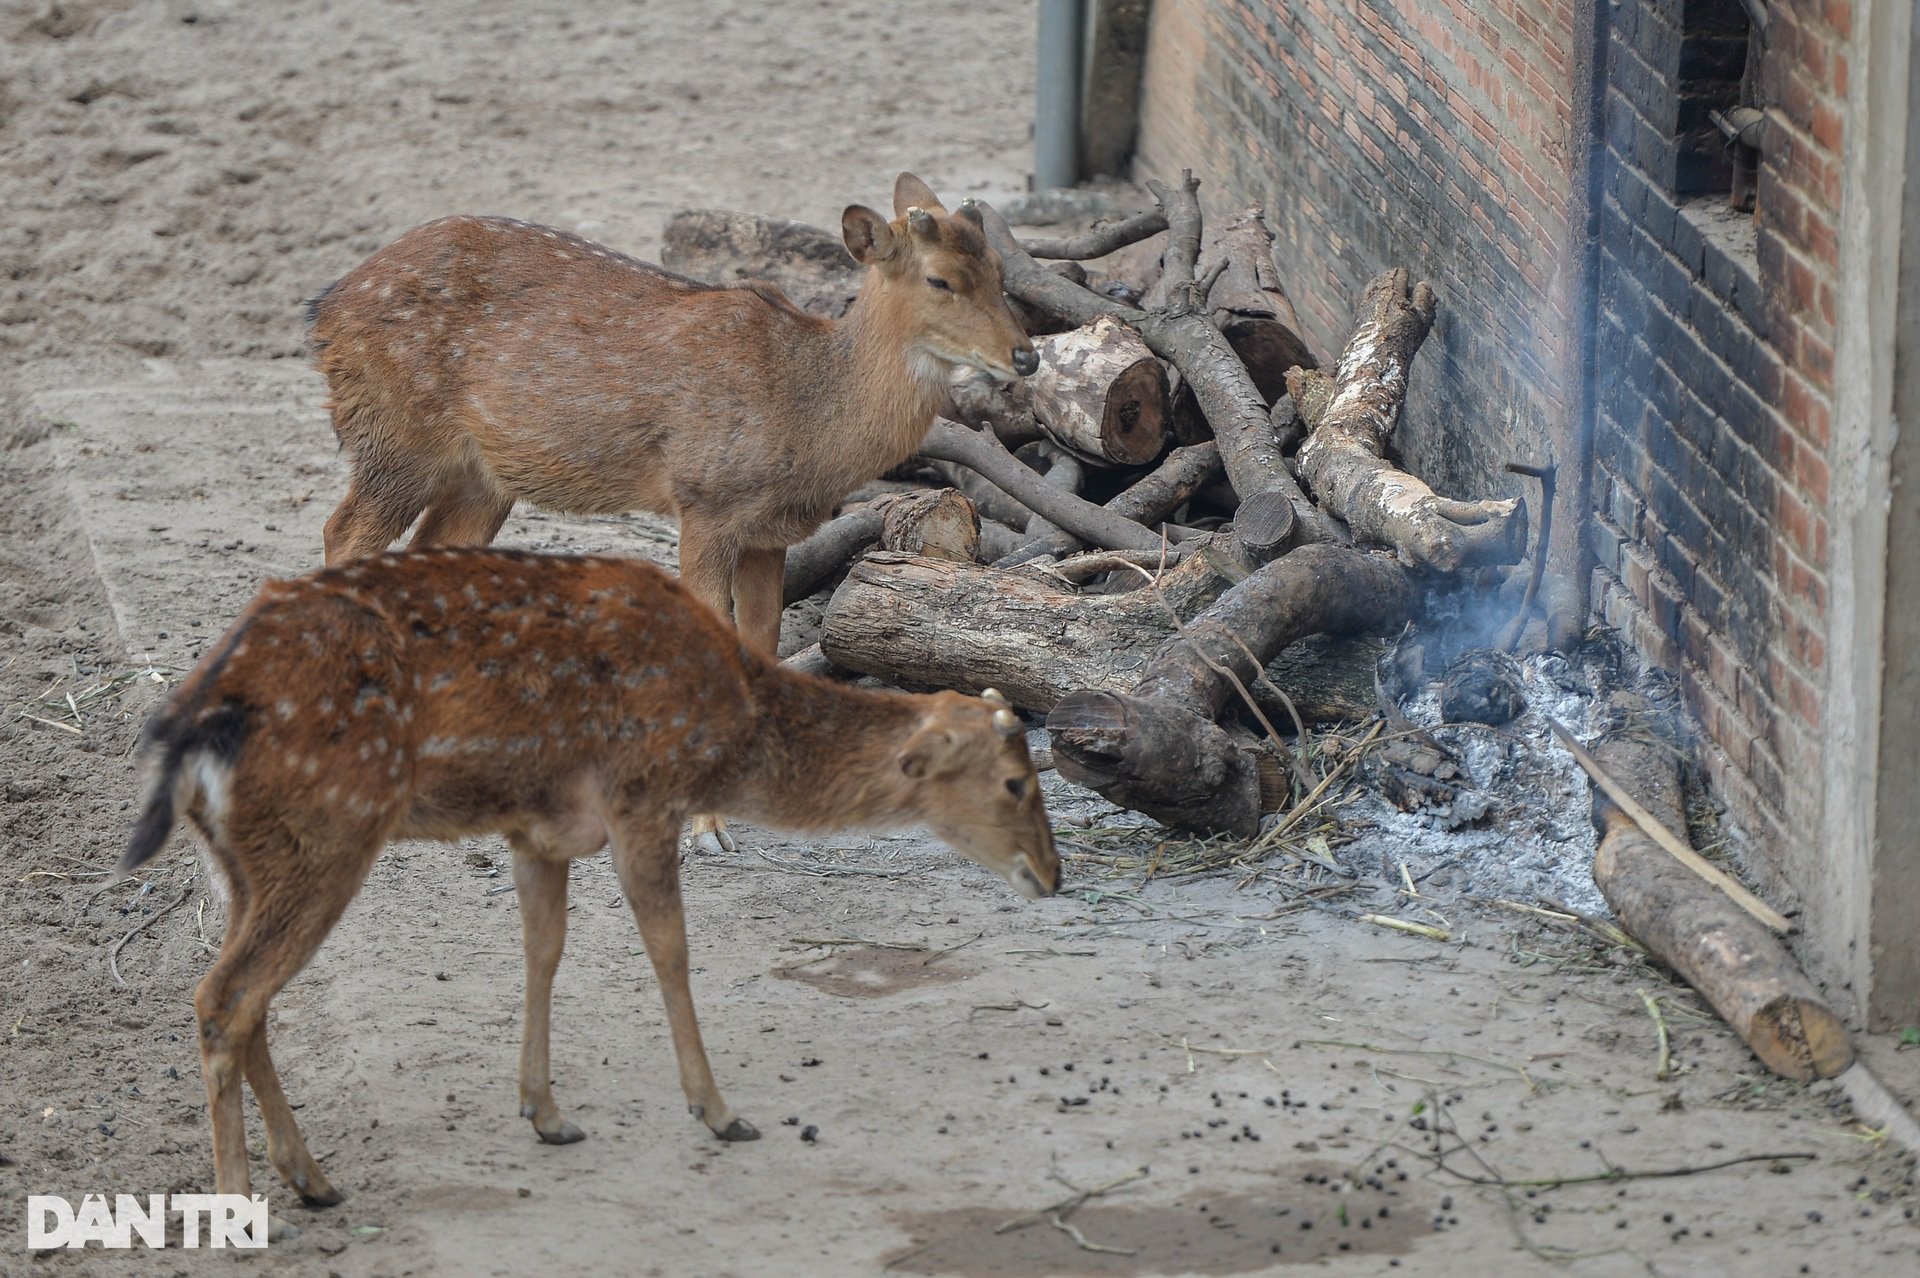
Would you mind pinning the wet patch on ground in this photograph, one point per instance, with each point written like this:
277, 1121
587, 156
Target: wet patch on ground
1313, 1212
874, 971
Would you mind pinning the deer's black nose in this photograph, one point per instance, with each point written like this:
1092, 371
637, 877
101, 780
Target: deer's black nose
1025, 361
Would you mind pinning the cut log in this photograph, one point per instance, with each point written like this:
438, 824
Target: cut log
1251, 308
981, 452
812, 563
1158, 758
1146, 502
808, 263
1102, 394
1183, 335
1557, 600
1005, 407
1328, 678
1265, 522
1313, 590
1125, 745
940, 523
810, 660
1692, 927
927, 623
1351, 417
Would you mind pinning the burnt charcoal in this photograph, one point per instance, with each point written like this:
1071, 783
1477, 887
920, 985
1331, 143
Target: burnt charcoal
1482, 686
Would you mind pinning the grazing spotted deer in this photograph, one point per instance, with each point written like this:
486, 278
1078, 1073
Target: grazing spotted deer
567, 703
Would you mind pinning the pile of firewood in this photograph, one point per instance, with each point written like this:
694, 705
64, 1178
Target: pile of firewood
1125, 543
1126, 540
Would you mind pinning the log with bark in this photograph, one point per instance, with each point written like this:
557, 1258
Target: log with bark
1060, 469
1184, 335
940, 523
1147, 501
1251, 308
808, 263
927, 623
1350, 417
832, 546
981, 452
1157, 749
1100, 393
1695, 929
1006, 408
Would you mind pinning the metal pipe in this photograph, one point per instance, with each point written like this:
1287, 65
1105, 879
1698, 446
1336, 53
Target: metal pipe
1056, 119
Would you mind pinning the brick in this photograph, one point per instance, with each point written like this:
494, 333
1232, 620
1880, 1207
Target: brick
1604, 541
1657, 217
1687, 243
1719, 272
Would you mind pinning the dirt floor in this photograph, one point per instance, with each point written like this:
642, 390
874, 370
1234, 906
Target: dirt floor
928, 1057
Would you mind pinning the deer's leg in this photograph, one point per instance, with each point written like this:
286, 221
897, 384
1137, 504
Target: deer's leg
759, 586
649, 873
286, 1147
540, 885
284, 910
710, 564
385, 494
465, 511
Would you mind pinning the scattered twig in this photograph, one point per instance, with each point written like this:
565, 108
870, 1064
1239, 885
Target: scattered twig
822, 871
1404, 925
64, 727
1413, 1051
1073, 1231
1305, 805
937, 955
1066, 1206
1610, 1175
1665, 1069
113, 955
1666, 838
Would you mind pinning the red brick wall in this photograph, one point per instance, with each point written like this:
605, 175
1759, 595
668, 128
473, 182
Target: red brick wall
1379, 134
1445, 137
1715, 412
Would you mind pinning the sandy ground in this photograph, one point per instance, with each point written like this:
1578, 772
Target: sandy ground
177, 177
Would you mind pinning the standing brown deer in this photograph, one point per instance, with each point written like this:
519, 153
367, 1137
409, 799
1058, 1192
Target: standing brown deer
564, 702
478, 361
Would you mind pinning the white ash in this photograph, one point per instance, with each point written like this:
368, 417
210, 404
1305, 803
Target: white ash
1521, 833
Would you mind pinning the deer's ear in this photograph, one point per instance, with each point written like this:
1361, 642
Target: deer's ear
929, 752
867, 235
910, 192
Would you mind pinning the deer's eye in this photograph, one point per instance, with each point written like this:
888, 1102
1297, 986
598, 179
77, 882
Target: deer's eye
1017, 787
939, 283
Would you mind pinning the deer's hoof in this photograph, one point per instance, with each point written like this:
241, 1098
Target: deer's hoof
739, 1129
564, 1134
711, 842
322, 1194
279, 1231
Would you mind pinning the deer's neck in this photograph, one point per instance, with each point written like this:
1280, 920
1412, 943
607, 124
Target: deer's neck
823, 755
885, 384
